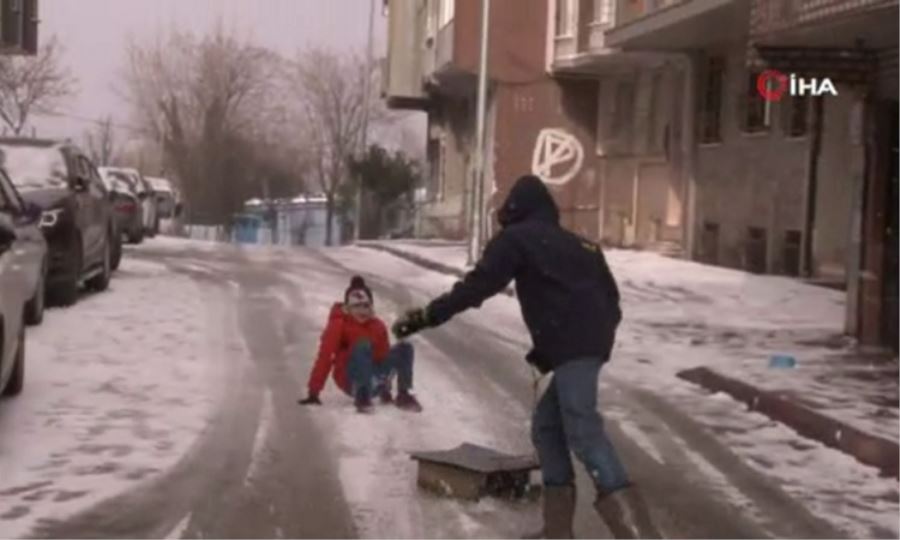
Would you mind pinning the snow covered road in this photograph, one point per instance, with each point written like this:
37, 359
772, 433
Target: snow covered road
214, 445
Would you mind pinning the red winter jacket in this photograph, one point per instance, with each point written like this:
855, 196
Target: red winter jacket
340, 335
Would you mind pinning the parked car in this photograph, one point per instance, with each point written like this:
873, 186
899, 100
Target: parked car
77, 218
127, 207
145, 194
23, 256
166, 197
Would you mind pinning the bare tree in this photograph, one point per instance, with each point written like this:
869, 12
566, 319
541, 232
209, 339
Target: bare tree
198, 97
100, 142
331, 88
33, 84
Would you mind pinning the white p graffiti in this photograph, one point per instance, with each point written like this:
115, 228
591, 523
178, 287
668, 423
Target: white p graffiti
556, 147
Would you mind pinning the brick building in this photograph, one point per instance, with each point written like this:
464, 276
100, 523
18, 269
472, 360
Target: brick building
560, 103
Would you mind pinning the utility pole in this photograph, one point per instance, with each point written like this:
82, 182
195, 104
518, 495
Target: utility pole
367, 96
477, 199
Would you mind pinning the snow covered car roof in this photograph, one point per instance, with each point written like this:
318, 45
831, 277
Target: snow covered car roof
116, 180
160, 184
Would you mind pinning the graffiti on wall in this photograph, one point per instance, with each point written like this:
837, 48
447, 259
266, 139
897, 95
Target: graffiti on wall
556, 150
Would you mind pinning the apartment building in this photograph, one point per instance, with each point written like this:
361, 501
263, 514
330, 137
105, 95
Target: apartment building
854, 42
560, 104
787, 186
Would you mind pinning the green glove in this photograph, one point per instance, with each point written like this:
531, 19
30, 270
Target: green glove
411, 322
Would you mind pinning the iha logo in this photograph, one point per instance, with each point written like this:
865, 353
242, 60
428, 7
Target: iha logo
773, 85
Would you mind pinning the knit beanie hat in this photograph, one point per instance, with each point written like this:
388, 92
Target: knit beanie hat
358, 292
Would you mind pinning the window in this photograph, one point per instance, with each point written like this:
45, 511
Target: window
622, 108
711, 108
448, 8
797, 109
792, 247
436, 160
755, 256
564, 18
431, 8
654, 130
756, 112
603, 11
709, 243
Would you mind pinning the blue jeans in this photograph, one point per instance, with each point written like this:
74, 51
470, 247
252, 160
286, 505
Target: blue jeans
566, 420
363, 371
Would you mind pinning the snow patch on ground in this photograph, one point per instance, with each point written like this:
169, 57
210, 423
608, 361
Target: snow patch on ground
266, 421
117, 389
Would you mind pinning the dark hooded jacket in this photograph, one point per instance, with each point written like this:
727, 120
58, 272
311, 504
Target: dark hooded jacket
568, 296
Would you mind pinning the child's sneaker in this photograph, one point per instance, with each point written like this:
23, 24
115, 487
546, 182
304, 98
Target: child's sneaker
408, 402
385, 395
363, 401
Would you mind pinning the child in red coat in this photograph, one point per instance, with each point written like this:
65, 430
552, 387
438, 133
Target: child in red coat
354, 348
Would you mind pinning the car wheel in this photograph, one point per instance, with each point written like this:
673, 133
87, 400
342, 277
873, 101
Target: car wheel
34, 309
17, 379
101, 281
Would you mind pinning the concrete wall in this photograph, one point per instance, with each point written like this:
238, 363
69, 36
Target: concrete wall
640, 162
748, 180
840, 170
760, 180
445, 215
405, 62
522, 113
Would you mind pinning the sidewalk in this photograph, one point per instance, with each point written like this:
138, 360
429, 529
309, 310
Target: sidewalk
719, 328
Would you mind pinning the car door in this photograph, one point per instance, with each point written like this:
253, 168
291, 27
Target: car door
82, 215
11, 286
92, 204
103, 202
30, 247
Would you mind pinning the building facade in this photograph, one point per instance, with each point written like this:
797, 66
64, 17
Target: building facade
646, 120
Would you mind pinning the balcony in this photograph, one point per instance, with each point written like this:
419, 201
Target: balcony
824, 23
677, 25
585, 49
403, 68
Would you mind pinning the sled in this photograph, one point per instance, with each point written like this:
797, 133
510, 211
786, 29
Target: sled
470, 472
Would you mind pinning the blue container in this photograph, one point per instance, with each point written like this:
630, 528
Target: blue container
782, 361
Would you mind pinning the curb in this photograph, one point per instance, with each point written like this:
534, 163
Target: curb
423, 262
868, 449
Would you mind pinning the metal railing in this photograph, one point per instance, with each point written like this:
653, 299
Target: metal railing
768, 16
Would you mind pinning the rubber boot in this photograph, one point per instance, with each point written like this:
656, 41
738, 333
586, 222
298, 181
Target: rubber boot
559, 513
626, 514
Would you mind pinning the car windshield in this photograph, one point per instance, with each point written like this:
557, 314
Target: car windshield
32, 168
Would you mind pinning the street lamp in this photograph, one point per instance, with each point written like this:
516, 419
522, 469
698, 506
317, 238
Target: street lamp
477, 200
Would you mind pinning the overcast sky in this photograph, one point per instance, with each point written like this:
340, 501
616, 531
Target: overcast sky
95, 32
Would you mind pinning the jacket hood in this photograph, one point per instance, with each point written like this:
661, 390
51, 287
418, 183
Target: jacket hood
529, 199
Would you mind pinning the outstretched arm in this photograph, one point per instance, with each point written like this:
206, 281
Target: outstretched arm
497, 268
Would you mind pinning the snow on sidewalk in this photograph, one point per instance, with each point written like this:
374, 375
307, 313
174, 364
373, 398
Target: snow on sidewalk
680, 315
117, 388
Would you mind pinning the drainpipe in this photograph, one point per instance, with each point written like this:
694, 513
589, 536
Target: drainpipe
475, 235
688, 145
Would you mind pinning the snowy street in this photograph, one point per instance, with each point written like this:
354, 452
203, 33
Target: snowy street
168, 408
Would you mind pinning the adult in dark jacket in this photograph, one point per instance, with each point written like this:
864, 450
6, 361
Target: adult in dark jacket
570, 303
